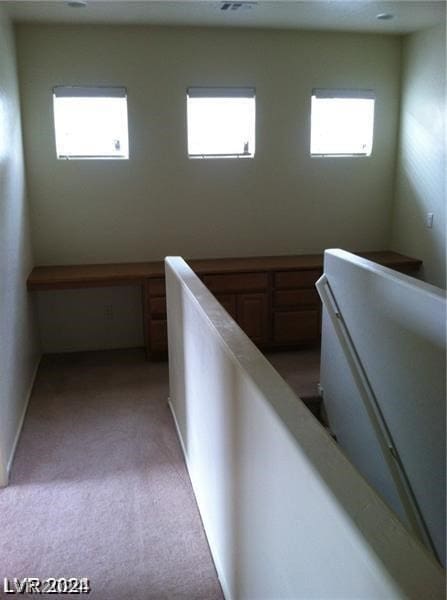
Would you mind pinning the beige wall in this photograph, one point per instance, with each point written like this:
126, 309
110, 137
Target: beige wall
159, 202
18, 343
421, 167
90, 319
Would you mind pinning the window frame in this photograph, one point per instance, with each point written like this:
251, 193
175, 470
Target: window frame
90, 91
343, 93
221, 92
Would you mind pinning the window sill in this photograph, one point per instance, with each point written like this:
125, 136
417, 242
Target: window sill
95, 157
340, 155
214, 156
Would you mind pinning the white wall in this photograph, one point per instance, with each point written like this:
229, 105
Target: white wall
421, 166
286, 514
397, 324
160, 202
18, 343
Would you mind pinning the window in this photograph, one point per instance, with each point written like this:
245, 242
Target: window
342, 122
91, 122
221, 122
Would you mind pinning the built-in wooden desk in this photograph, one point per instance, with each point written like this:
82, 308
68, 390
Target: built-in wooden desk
82, 276
273, 298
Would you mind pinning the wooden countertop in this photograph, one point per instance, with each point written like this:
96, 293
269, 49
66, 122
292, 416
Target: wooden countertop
72, 276
97, 275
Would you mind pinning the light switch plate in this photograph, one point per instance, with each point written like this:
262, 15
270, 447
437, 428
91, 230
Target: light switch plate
429, 220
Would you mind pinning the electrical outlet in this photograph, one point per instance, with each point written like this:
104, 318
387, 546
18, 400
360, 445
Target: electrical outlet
108, 312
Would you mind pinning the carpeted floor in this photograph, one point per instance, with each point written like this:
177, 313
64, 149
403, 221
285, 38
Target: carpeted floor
301, 370
99, 488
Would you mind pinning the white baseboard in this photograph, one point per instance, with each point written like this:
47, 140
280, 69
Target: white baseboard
179, 435
3, 474
217, 563
22, 418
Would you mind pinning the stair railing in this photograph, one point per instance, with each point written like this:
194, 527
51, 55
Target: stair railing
375, 415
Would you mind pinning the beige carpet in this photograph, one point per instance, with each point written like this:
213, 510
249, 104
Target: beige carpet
99, 488
301, 370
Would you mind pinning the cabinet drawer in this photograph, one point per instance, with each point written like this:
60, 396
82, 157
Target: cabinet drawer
158, 306
304, 297
236, 282
157, 287
158, 335
296, 279
296, 326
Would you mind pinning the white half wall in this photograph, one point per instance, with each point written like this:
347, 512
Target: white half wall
286, 514
397, 325
19, 349
421, 159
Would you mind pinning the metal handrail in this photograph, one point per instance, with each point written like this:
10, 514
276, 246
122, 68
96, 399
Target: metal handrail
375, 415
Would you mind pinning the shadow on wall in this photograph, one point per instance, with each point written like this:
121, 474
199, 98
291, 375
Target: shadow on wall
18, 337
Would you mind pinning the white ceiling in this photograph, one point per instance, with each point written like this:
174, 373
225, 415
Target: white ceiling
336, 15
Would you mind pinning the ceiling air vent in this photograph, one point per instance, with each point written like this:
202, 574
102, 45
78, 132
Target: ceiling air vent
237, 5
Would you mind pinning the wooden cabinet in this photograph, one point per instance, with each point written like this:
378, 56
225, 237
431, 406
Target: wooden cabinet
229, 302
155, 320
236, 282
245, 297
296, 308
253, 316
250, 311
288, 298
297, 279
275, 310
158, 336
296, 326
272, 298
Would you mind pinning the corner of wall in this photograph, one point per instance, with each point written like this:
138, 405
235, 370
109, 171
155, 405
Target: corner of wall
19, 343
393, 208
420, 159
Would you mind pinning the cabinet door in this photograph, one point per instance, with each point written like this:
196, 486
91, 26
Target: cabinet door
158, 307
252, 316
228, 301
158, 335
